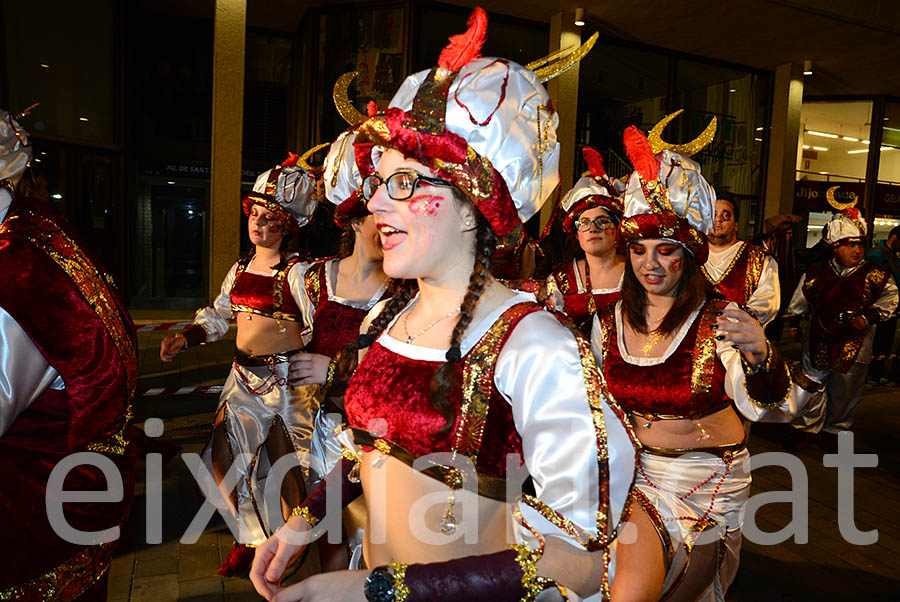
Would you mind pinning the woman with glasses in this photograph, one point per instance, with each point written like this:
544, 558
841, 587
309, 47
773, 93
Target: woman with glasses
593, 278
460, 378
689, 370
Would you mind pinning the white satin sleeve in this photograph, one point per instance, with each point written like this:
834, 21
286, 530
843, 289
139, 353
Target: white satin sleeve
597, 341
539, 371
24, 372
766, 299
799, 305
886, 304
736, 389
216, 318
296, 280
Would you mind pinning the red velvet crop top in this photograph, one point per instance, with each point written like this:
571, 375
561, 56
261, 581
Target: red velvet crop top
690, 383
268, 296
392, 390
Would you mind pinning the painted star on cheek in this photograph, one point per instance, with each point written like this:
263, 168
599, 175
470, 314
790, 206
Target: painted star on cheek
425, 205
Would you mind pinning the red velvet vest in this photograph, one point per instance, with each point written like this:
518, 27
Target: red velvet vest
392, 390
580, 307
334, 324
69, 307
741, 278
689, 384
832, 344
268, 296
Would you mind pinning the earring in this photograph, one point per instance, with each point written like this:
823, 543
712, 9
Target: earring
468, 223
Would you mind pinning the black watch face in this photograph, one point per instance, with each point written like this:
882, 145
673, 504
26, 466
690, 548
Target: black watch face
379, 586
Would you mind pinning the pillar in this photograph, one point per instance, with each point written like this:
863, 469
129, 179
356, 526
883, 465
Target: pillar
784, 139
564, 92
227, 138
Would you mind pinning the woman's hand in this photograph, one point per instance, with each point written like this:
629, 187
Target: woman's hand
277, 553
171, 346
336, 586
308, 369
745, 333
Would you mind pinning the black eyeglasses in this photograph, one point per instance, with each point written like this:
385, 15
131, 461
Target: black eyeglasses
601, 223
400, 186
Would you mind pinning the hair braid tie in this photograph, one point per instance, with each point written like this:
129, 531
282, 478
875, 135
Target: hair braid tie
453, 354
364, 340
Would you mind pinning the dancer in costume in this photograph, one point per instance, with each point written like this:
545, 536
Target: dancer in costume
593, 210
466, 368
260, 417
68, 370
689, 369
342, 290
740, 271
847, 296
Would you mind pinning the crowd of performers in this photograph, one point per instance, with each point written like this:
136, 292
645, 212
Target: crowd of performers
406, 380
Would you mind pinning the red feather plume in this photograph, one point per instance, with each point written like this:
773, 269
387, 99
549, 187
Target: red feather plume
291, 160
852, 212
640, 154
465, 47
594, 162
372, 108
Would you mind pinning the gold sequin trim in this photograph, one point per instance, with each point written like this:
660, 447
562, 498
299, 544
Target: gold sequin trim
383, 446
527, 560
704, 357
303, 511
401, 591
69, 580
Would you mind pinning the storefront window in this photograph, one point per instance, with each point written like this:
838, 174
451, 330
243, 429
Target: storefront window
831, 160
887, 191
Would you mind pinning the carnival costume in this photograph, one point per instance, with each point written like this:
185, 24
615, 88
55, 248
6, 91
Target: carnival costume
687, 493
747, 275
529, 385
68, 370
569, 292
256, 401
835, 353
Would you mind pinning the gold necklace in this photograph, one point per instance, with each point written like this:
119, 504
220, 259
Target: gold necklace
410, 338
655, 337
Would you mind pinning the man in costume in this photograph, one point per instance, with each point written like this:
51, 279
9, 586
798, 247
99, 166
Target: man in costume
740, 271
885, 255
68, 369
846, 297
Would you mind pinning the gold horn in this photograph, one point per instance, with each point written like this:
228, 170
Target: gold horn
829, 194
556, 65
342, 100
657, 144
302, 160
25, 112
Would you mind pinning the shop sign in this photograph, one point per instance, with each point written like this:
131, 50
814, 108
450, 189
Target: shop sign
810, 195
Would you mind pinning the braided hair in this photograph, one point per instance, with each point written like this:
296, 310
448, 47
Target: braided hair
445, 379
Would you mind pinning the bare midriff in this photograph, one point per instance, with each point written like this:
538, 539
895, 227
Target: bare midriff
405, 508
723, 427
260, 335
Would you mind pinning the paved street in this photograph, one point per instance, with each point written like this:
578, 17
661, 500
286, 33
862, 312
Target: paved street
825, 568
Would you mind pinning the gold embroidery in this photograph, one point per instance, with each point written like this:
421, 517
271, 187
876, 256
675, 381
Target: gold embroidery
69, 580
704, 357
47, 236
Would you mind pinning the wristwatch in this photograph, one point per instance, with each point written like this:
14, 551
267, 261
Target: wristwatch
379, 585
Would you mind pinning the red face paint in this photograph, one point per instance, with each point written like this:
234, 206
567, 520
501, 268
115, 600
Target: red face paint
425, 204
675, 267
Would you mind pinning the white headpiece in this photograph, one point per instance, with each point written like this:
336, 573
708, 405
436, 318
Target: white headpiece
847, 223
15, 147
290, 191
